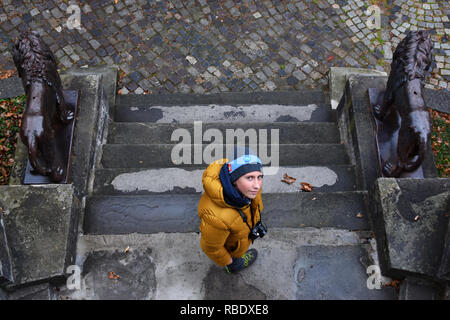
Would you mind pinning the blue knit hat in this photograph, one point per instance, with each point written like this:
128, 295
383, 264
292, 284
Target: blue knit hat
244, 162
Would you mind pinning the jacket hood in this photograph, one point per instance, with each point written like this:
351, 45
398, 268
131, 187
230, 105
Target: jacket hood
214, 182
211, 183
230, 194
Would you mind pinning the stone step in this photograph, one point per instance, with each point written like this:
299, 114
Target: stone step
169, 155
178, 213
122, 181
225, 113
292, 264
303, 97
288, 132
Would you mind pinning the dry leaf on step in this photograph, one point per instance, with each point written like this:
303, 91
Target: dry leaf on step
306, 186
287, 179
113, 276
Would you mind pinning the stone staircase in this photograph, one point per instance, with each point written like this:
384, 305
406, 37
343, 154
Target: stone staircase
141, 219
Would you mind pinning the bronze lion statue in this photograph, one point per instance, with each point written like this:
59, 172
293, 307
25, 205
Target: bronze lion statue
46, 111
404, 95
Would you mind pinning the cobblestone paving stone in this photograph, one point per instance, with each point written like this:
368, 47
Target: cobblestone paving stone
216, 46
397, 18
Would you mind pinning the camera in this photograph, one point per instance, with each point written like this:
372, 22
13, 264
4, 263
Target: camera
258, 231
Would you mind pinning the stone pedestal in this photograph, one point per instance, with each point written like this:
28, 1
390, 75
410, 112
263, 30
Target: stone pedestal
42, 291
411, 225
6, 275
3, 295
444, 269
418, 289
338, 76
41, 224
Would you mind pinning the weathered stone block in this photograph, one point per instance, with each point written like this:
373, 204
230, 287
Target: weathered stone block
3, 295
91, 125
411, 225
41, 224
444, 269
42, 291
418, 289
338, 76
5, 257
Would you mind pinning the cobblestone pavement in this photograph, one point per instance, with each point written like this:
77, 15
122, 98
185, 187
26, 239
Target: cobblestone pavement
214, 46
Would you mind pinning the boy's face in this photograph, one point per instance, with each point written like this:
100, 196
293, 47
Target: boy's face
249, 184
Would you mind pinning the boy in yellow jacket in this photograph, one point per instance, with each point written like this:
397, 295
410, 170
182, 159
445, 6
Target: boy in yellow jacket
229, 210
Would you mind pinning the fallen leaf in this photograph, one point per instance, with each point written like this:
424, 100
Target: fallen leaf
287, 179
393, 283
6, 74
306, 186
113, 276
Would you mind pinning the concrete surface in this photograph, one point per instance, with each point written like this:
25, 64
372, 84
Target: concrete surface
292, 264
188, 180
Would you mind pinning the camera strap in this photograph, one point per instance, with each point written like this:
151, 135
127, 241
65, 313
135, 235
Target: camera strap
245, 218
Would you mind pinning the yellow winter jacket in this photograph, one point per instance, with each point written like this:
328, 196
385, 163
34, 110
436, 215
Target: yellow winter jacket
224, 234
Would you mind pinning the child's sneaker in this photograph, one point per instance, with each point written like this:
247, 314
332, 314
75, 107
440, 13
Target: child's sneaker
245, 261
